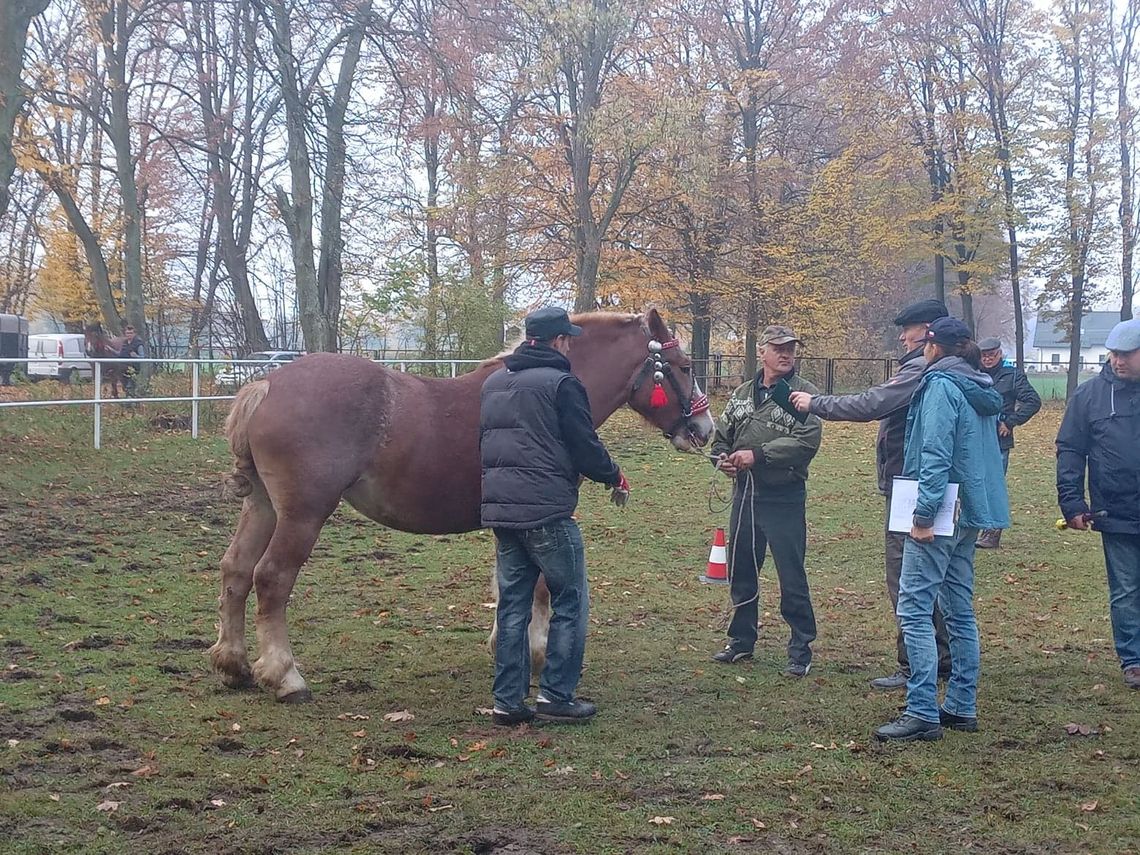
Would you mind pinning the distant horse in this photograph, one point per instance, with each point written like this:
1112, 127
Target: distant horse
101, 346
401, 449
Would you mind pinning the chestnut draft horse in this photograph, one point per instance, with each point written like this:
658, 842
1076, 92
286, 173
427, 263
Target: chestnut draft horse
404, 451
101, 346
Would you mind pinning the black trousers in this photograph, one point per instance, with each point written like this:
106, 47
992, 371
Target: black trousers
763, 519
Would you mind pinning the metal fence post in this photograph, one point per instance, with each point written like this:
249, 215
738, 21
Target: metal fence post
194, 403
453, 369
98, 377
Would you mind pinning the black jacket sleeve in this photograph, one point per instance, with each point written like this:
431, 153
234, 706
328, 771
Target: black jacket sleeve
1072, 458
1028, 401
577, 423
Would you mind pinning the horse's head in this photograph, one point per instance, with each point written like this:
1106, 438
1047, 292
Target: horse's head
94, 339
664, 391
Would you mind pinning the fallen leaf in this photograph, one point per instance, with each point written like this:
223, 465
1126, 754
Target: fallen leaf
236, 728
399, 715
735, 841
1074, 729
103, 701
12, 743
438, 808
663, 820
712, 797
54, 797
144, 772
758, 823
806, 770
107, 806
117, 785
1089, 807
483, 711
218, 803
353, 717
360, 734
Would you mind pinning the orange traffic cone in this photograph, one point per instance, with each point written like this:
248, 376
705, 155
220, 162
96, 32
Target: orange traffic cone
717, 574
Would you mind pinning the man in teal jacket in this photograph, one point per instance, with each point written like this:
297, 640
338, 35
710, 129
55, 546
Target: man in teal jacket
951, 437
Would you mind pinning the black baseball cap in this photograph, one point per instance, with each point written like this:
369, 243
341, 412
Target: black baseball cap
548, 322
947, 331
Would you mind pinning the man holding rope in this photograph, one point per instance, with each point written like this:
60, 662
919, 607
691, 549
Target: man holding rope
766, 451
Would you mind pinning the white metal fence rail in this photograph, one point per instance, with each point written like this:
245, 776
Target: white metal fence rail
97, 401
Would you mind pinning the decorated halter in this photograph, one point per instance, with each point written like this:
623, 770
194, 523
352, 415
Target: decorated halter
661, 370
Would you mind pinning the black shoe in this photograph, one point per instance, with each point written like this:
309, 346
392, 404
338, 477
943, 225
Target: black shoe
894, 681
506, 718
907, 728
566, 712
967, 723
730, 654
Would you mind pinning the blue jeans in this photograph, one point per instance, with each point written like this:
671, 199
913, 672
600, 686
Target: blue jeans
941, 571
555, 550
1005, 460
1122, 560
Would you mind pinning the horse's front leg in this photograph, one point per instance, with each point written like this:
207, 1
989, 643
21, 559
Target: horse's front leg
273, 578
255, 528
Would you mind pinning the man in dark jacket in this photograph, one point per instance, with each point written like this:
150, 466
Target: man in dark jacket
766, 451
1101, 431
536, 441
889, 403
1020, 402
132, 349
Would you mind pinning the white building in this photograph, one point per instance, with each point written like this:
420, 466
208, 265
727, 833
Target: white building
1051, 343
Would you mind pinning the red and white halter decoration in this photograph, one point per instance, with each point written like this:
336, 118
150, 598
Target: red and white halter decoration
690, 405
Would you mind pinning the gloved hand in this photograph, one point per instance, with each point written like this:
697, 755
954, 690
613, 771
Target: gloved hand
620, 495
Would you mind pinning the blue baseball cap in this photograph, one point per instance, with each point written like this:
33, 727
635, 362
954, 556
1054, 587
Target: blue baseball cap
948, 331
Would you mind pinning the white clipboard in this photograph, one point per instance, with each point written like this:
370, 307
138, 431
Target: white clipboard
904, 496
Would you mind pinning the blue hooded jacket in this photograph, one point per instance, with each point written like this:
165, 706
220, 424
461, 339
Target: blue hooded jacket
951, 436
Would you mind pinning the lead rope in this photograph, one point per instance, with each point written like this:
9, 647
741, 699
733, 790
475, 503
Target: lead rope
749, 491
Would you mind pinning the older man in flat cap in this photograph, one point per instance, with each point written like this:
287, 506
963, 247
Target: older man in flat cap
766, 451
1101, 433
889, 403
1020, 402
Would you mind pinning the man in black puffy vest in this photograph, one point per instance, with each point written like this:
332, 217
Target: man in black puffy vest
536, 441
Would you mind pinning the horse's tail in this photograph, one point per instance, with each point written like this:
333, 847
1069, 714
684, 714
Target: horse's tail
240, 481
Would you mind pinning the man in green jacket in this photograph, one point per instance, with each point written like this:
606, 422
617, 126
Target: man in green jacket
766, 451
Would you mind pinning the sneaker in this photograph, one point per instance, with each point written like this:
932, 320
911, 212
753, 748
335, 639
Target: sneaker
566, 712
966, 723
795, 669
894, 681
907, 728
1132, 676
506, 718
730, 654
989, 539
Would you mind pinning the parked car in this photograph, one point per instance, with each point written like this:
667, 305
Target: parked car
59, 356
237, 373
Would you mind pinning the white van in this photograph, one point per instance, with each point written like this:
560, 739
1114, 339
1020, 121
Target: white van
64, 357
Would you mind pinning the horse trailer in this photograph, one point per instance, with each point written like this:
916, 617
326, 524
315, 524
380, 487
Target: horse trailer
13, 344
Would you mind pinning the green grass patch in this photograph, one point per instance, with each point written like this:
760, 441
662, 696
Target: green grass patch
118, 738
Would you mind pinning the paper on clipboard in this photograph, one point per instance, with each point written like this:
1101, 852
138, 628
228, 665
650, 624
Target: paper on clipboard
904, 496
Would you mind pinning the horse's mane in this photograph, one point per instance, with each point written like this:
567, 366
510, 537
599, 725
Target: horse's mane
590, 319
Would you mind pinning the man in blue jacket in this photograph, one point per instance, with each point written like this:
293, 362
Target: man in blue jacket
1101, 431
536, 440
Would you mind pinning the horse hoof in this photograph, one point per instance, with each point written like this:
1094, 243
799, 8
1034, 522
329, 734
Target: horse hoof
301, 696
243, 680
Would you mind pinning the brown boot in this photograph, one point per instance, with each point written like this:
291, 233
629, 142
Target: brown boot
989, 539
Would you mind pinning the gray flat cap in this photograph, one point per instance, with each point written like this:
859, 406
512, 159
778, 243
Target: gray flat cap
990, 343
1125, 336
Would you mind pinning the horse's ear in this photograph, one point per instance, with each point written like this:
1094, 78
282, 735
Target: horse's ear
656, 325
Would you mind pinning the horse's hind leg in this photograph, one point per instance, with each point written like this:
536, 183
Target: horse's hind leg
293, 539
539, 624
255, 528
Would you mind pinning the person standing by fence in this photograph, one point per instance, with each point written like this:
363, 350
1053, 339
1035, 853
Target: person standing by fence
1020, 403
1101, 432
132, 349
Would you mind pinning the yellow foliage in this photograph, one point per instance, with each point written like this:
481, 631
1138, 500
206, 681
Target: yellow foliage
62, 289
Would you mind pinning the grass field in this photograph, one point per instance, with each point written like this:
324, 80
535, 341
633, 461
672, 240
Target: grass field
119, 739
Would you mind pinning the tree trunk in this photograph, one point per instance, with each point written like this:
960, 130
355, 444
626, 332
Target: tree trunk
15, 17
116, 31
1124, 114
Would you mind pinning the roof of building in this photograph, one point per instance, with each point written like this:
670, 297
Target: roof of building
1095, 327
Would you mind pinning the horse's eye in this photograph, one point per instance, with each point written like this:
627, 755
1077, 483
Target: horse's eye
685, 369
